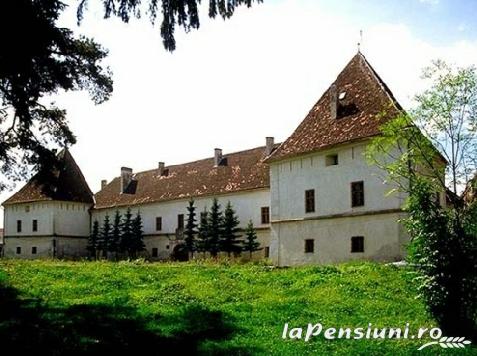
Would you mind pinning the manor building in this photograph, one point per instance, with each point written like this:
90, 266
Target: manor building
313, 198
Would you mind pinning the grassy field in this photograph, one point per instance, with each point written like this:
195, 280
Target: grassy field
102, 307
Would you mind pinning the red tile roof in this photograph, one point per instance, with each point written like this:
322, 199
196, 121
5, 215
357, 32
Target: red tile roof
69, 185
240, 171
366, 98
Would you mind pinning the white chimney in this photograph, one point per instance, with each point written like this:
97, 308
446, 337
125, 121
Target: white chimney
126, 178
333, 101
161, 167
217, 156
104, 183
270, 141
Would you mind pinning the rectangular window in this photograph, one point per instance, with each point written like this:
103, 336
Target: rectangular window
180, 221
19, 250
155, 252
33, 250
34, 227
331, 160
310, 201
267, 252
357, 194
265, 215
158, 223
19, 226
309, 246
357, 244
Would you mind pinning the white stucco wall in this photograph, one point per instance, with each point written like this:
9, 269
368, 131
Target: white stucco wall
246, 204
334, 220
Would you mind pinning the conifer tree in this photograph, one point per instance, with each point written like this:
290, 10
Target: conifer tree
250, 244
105, 236
126, 232
190, 229
93, 239
115, 235
215, 228
137, 243
203, 234
229, 239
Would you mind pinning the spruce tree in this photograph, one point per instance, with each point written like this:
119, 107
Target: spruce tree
126, 233
190, 229
137, 243
250, 243
203, 234
229, 239
93, 239
116, 235
215, 228
105, 236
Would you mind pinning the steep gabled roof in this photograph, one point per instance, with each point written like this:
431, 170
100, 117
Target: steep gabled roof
366, 98
69, 184
240, 171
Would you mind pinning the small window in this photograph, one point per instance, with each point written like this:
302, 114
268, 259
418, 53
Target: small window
19, 226
267, 252
19, 250
155, 252
331, 160
158, 223
309, 246
33, 250
265, 215
27, 208
357, 194
34, 227
167, 247
310, 201
180, 221
357, 244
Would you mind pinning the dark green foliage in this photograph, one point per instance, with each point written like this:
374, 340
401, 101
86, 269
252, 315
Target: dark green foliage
444, 250
126, 232
250, 244
137, 243
38, 59
203, 232
93, 239
115, 241
215, 225
105, 236
190, 228
229, 238
174, 13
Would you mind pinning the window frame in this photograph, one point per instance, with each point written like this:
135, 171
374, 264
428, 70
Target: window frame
310, 201
265, 214
309, 245
357, 244
158, 223
361, 201
19, 225
34, 225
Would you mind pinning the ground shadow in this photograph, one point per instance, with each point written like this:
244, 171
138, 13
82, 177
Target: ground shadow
26, 327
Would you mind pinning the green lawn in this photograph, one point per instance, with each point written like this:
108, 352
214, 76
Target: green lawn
101, 307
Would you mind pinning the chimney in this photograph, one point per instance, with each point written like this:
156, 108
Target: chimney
333, 101
217, 157
126, 178
104, 182
270, 141
160, 168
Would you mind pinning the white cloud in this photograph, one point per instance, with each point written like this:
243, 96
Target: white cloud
229, 84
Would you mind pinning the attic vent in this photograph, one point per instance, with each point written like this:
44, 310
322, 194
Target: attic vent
342, 95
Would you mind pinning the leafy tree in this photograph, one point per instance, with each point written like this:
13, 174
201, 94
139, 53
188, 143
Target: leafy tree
105, 236
250, 244
137, 243
203, 232
126, 232
229, 239
115, 241
43, 59
93, 239
190, 229
431, 150
215, 225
